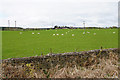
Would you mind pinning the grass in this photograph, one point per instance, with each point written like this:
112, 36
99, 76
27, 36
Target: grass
16, 45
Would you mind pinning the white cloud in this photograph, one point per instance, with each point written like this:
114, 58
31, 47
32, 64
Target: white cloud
37, 13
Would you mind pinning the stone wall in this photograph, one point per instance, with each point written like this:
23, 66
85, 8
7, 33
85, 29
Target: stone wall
86, 64
84, 58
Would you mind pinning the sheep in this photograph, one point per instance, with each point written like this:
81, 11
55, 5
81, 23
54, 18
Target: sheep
62, 34
53, 34
72, 34
20, 32
94, 33
32, 32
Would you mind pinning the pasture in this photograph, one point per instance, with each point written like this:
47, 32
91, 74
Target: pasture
17, 44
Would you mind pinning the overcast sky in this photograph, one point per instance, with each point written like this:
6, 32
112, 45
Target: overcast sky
45, 13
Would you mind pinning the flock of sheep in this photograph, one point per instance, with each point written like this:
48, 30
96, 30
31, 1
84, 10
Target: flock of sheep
66, 33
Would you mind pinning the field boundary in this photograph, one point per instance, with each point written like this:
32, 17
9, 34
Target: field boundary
102, 63
60, 55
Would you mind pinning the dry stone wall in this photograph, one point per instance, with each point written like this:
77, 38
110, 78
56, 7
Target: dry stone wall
83, 59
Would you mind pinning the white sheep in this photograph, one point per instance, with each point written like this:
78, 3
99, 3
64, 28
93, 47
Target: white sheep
88, 32
62, 34
20, 32
113, 32
83, 32
94, 33
73, 35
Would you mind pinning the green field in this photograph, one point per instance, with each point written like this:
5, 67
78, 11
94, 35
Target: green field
25, 44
